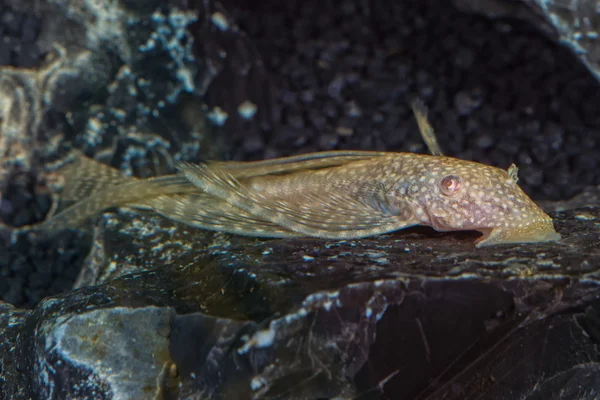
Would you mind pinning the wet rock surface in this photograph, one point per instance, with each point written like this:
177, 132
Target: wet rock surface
408, 315
161, 310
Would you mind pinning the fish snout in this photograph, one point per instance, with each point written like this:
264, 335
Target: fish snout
534, 231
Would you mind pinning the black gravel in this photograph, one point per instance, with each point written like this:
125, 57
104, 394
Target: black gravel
341, 75
31, 269
19, 32
25, 200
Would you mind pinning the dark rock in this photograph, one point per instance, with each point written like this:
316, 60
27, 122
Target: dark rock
574, 25
414, 313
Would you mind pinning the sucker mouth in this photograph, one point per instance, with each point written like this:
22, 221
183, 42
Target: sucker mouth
485, 233
435, 222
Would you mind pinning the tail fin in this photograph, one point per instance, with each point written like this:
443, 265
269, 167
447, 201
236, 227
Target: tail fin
86, 176
94, 187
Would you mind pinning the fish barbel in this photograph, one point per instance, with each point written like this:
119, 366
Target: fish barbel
334, 195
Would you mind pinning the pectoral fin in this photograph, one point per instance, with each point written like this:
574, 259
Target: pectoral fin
312, 213
204, 211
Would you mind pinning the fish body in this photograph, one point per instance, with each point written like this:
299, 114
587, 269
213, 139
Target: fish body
365, 196
336, 195
387, 193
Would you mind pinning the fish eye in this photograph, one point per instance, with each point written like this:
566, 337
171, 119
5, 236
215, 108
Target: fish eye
450, 185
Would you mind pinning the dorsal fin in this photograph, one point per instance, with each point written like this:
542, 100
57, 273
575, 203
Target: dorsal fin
427, 133
318, 160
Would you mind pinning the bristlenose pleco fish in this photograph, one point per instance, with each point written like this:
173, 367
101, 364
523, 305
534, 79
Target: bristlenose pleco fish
333, 195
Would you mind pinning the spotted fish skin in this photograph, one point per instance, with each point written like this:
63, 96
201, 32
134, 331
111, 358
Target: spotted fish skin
386, 193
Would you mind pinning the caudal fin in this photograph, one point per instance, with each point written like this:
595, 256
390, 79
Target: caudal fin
86, 176
92, 187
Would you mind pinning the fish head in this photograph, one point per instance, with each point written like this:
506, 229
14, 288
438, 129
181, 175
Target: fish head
455, 194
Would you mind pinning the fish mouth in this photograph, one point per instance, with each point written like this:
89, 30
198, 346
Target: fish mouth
540, 232
537, 229
432, 220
